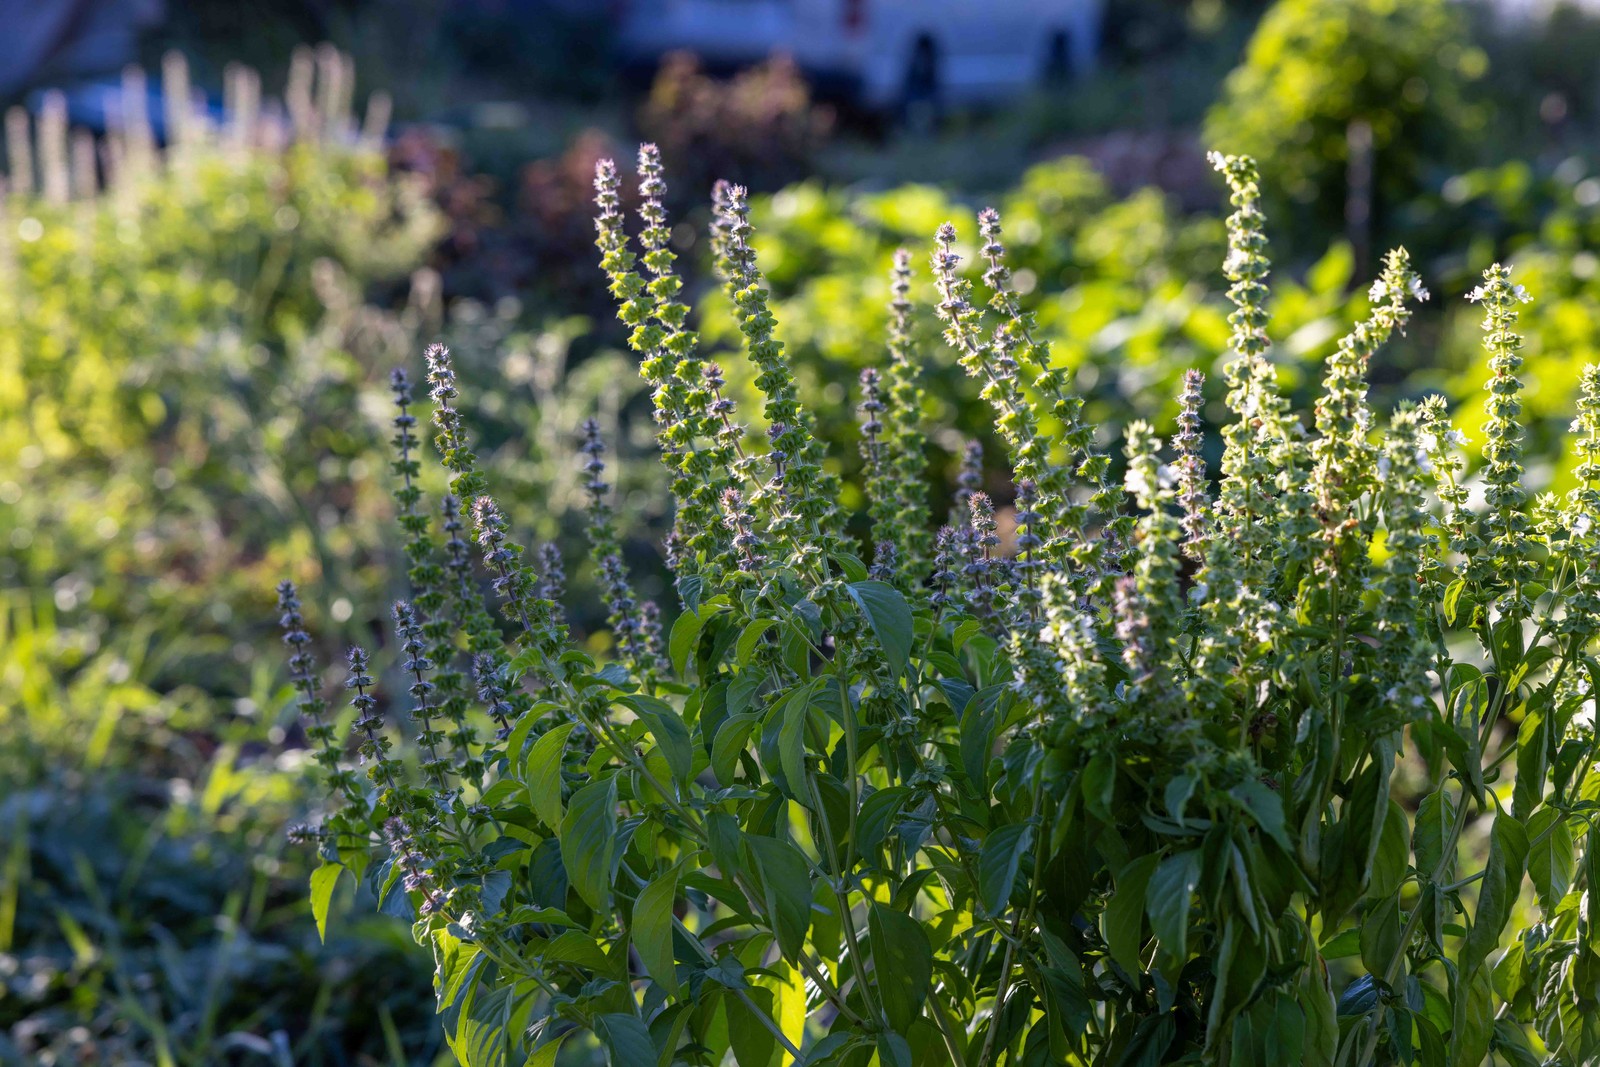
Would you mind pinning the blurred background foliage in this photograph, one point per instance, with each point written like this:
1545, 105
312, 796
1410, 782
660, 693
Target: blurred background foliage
195, 343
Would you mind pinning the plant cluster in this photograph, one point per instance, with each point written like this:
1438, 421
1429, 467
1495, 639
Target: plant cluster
184, 332
242, 253
760, 127
1352, 101
1167, 767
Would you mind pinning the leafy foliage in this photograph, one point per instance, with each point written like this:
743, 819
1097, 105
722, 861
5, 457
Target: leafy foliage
173, 347
1325, 81
1119, 792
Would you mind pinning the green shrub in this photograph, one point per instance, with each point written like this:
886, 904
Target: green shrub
173, 349
1145, 771
1325, 83
180, 355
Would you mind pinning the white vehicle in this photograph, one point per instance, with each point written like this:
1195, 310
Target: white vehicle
885, 53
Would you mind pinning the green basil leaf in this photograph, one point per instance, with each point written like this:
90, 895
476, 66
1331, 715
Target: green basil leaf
1171, 886
1123, 919
902, 963
894, 1051
1502, 882
1552, 857
589, 839
545, 1055
878, 812
489, 1033
1322, 1022
323, 881
542, 773
749, 1035
792, 740
1591, 864
748, 639
652, 929
1452, 599
786, 884
1436, 817
890, 617
1100, 783
1002, 854
1474, 1019
669, 731
731, 740
683, 639
1392, 860
1380, 934
742, 690
626, 1040
1265, 807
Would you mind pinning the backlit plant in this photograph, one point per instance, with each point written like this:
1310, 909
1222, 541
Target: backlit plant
1147, 769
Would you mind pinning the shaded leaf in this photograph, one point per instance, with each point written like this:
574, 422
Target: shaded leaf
666, 726
489, 1033
1391, 861
626, 1040
890, 617
1551, 857
1502, 881
748, 638
1100, 783
1123, 918
902, 961
997, 866
588, 839
543, 774
786, 884
1265, 807
878, 812
1167, 901
1436, 817
749, 1035
652, 929
732, 738
684, 637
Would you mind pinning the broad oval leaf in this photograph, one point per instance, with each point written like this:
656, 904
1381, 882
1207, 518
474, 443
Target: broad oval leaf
545, 1055
1436, 817
683, 639
489, 1033
792, 740
1502, 881
732, 737
1390, 863
750, 1026
877, 814
1551, 857
748, 639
